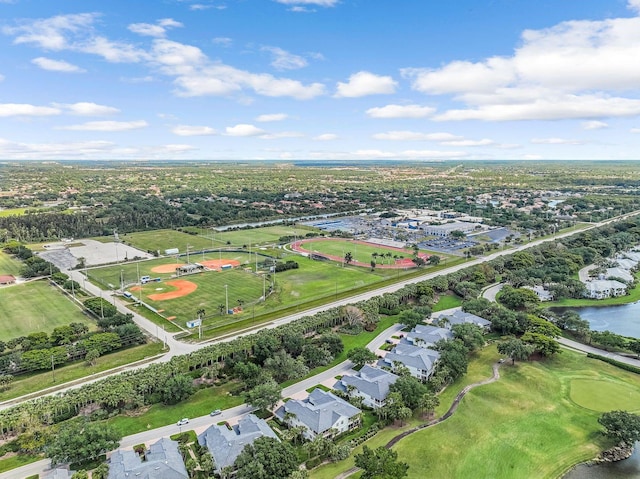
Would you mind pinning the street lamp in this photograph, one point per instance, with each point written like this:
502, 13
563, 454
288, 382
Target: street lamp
226, 298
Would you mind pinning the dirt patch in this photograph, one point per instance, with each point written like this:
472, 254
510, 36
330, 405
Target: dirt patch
166, 268
183, 289
217, 264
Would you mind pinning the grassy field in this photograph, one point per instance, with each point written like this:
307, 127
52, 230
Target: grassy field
312, 280
12, 212
200, 404
447, 301
8, 265
256, 236
36, 306
36, 382
360, 252
538, 420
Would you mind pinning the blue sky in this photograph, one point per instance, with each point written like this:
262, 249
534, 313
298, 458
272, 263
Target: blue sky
320, 79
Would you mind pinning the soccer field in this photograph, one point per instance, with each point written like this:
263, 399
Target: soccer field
359, 251
36, 306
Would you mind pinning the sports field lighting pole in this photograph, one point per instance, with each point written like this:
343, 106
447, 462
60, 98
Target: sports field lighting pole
139, 285
264, 287
226, 298
188, 246
121, 280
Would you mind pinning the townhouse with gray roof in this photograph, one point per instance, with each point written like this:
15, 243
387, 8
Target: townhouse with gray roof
320, 414
419, 361
460, 317
225, 445
371, 384
162, 461
426, 335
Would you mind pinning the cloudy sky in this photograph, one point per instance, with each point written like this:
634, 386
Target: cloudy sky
320, 79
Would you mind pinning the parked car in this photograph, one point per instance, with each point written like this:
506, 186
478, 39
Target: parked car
183, 421
215, 413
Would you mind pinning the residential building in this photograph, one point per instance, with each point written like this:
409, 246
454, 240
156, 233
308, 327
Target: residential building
426, 336
460, 317
420, 361
618, 273
320, 414
371, 384
543, 294
604, 288
162, 461
225, 444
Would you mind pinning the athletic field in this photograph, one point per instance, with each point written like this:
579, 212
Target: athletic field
36, 306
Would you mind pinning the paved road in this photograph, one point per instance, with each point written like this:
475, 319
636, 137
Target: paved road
590, 349
233, 414
491, 292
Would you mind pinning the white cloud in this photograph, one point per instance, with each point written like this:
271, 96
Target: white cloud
157, 30
576, 69
196, 75
272, 117
56, 65
73, 32
409, 154
224, 41
243, 130
594, 125
483, 142
282, 134
532, 157
634, 130
556, 141
299, 9
176, 148
415, 136
283, 60
189, 130
365, 83
108, 126
634, 5
401, 111
87, 109
25, 109
326, 137
319, 3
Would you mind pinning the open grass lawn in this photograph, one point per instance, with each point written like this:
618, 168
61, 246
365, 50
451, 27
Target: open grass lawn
360, 252
200, 404
36, 382
447, 301
528, 424
255, 236
13, 212
8, 265
17, 461
160, 240
34, 307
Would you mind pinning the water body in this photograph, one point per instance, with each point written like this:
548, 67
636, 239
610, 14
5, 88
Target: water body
627, 469
623, 319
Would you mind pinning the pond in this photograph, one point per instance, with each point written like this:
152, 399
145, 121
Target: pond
623, 319
627, 469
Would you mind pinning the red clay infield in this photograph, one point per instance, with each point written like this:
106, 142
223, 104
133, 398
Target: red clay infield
184, 288
217, 264
166, 268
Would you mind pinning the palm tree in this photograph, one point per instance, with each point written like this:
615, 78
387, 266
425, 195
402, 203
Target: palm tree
348, 257
221, 309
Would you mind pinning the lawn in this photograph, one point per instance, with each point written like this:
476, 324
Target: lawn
12, 212
36, 306
256, 236
525, 425
311, 281
30, 383
447, 301
200, 404
17, 461
360, 252
8, 265
160, 240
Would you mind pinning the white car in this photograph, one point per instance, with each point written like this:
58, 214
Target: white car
183, 421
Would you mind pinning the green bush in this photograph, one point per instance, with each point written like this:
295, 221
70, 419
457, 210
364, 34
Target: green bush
613, 362
311, 463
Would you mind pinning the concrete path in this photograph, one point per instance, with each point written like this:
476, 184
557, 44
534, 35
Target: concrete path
600, 352
491, 292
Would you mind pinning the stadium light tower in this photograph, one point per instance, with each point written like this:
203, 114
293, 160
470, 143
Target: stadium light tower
226, 298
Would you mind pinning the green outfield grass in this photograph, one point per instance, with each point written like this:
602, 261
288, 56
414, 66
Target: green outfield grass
255, 236
525, 425
360, 252
8, 265
160, 240
36, 306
